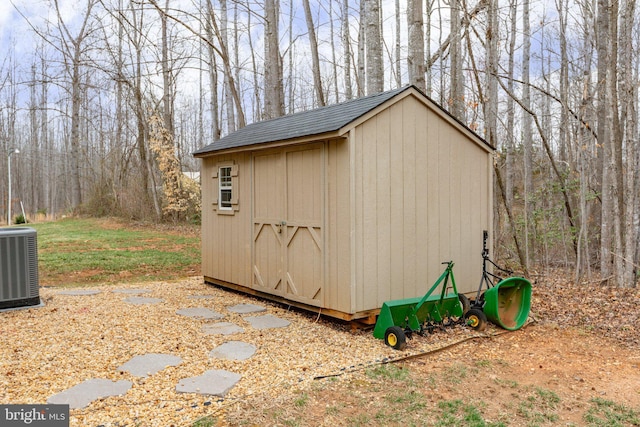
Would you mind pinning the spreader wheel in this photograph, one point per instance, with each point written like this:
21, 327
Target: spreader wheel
394, 337
464, 301
476, 319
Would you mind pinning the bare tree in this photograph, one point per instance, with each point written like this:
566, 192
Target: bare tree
315, 60
346, 46
273, 89
415, 51
456, 92
373, 43
74, 47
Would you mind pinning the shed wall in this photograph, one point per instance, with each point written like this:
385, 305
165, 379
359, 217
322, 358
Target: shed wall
228, 246
422, 195
226, 239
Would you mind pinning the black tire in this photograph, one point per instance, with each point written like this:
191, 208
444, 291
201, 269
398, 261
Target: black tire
476, 319
464, 301
394, 337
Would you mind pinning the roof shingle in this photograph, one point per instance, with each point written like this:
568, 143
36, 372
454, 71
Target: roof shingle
313, 122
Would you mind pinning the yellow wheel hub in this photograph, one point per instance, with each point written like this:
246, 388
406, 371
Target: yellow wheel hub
393, 340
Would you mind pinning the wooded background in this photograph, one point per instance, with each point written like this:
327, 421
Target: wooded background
106, 99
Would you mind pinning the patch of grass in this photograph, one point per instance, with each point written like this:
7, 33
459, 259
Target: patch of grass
507, 383
75, 252
388, 371
207, 421
539, 407
359, 420
455, 373
456, 413
484, 363
607, 413
301, 401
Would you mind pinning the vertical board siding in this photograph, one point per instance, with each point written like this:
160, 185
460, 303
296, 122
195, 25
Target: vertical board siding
226, 252
382, 208
397, 190
338, 242
421, 199
368, 214
415, 184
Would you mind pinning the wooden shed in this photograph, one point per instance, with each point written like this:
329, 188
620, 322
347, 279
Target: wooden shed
341, 208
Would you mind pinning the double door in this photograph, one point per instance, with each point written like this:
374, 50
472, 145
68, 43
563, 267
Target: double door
288, 245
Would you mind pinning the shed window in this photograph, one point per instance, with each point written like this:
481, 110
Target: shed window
226, 188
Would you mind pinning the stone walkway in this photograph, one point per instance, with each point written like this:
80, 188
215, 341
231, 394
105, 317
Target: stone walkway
211, 382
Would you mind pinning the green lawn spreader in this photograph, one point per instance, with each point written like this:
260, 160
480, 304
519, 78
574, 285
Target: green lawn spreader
400, 319
505, 302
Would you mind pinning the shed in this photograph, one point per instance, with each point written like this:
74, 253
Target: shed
341, 208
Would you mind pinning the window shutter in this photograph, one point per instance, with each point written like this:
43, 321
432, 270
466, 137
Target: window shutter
234, 186
214, 176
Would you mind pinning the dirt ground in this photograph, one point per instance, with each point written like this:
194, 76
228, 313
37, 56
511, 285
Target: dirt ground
579, 356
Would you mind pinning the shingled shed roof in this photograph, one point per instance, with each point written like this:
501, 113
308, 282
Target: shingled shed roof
307, 123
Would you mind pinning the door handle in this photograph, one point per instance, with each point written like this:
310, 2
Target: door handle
280, 225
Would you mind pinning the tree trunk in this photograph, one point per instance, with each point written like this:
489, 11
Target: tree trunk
228, 80
361, 75
373, 42
491, 91
315, 60
415, 49
73, 49
509, 140
527, 136
273, 88
346, 46
456, 91
604, 140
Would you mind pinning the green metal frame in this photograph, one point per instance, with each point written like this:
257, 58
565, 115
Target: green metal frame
412, 313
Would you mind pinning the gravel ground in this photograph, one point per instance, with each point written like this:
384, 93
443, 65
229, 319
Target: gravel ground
44, 351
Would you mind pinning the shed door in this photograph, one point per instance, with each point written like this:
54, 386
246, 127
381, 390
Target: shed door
287, 224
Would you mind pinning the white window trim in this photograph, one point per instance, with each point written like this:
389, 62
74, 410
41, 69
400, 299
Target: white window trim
222, 186
233, 186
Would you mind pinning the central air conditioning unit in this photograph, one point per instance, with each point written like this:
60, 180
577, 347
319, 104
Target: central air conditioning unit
19, 282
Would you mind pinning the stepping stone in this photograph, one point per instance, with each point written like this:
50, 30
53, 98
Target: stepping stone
215, 382
142, 300
222, 328
246, 308
233, 350
149, 364
200, 312
200, 297
267, 321
132, 291
83, 394
80, 292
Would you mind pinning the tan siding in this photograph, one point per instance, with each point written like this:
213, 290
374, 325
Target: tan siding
434, 189
395, 259
382, 208
338, 259
226, 252
420, 200
369, 245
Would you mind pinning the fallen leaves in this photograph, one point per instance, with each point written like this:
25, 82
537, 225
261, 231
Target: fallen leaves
612, 312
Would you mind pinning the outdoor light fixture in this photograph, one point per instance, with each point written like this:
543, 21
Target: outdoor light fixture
11, 152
